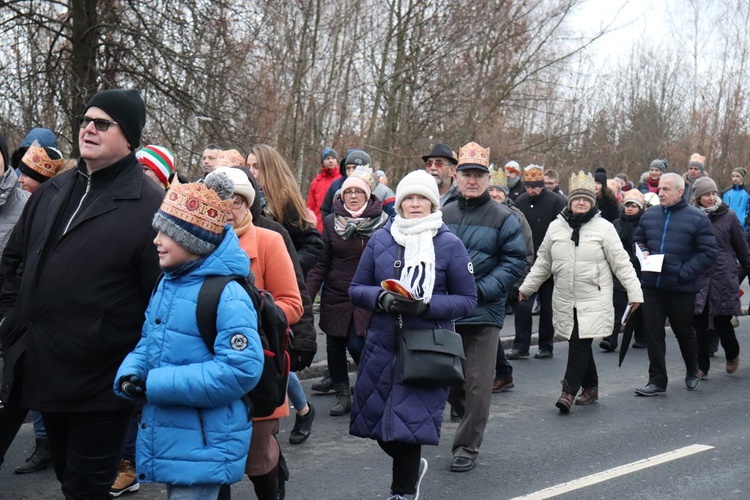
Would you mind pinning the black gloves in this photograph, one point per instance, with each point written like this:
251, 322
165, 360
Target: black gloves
396, 304
301, 359
133, 386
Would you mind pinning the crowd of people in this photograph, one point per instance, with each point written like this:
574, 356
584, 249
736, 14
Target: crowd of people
104, 258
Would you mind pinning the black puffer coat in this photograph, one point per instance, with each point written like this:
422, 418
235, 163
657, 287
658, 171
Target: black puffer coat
719, 286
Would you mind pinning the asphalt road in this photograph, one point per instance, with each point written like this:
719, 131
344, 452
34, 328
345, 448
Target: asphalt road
528, 446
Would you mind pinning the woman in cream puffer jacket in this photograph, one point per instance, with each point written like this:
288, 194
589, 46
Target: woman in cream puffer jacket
581, 250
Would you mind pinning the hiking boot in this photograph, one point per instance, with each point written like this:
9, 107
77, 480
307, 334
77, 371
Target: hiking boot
503, 384
302, 426
344, 403
39, 459
565, 401
588, 396
324, 385
126, 482
732, 364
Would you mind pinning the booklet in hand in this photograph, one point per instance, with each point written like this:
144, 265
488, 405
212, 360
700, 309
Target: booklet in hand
399, 288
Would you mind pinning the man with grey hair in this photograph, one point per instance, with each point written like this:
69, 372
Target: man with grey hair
683, 235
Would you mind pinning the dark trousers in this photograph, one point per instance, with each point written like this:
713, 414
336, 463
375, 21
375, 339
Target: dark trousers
522, 318
725, 330
620, 301
11, 420
132, 436
581, 369
678, 307
503, 368
406, 458
86, 450
336, 348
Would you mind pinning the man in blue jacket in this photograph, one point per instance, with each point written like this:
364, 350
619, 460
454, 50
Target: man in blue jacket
492, 236
683, 234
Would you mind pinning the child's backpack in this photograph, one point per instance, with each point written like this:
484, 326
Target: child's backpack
270, 393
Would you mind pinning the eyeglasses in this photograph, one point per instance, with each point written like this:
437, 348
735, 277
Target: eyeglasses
437, 163
101, 124
238, 201
354, 192
631, 205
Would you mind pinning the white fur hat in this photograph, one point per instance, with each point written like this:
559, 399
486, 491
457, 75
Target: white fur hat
421, 183
242, 184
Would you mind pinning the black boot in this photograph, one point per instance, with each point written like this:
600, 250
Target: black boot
302, 426
344, 403
40, 459
325, 385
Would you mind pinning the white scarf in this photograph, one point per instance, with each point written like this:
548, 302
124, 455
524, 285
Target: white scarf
415, 235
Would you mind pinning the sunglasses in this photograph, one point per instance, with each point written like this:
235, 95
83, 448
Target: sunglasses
101, 124
438, 163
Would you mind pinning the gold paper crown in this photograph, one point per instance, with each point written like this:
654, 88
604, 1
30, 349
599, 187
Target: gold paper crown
474, 154
498, 177
37, 159
533, 173
198, 205
229, 158
582, 182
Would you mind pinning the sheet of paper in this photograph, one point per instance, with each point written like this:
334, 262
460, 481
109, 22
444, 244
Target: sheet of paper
651, 263
626, 314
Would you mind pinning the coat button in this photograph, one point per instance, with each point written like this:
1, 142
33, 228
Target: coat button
143, 426
141, 476
158, 321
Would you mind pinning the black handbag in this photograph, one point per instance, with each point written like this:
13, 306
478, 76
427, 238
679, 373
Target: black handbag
430, 357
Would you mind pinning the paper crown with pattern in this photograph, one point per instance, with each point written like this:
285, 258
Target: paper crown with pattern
194, 214
533, 173
498, 177
473, 156
229, 158
39, 164
582, 184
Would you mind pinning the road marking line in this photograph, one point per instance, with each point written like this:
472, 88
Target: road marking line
622, 470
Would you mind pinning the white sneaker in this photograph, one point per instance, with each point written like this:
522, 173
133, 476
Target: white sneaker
422, 471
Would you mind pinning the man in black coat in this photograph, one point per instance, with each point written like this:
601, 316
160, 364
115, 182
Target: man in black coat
540, 207
85, 244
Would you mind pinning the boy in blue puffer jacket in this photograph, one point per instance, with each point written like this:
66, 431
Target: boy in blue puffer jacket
194, 433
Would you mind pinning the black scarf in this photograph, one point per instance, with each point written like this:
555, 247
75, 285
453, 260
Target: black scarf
575, 221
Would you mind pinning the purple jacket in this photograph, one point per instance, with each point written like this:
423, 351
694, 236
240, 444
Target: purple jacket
719, 286
383, 408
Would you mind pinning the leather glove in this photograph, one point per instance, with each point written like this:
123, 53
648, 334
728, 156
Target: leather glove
133, 386
301, 359
396, 304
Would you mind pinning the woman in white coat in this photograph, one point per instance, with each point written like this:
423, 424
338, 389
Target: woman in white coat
581, 250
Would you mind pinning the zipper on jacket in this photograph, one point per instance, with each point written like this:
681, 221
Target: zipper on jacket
203, 426
80, 202
663, 241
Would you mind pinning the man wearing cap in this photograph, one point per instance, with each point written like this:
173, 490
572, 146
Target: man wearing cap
650, 180
329, 172
696, 170
684, 236
492, 236
89, 264
440, 163
541, 207
516, 185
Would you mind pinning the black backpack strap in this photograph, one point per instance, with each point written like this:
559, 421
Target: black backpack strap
207, 308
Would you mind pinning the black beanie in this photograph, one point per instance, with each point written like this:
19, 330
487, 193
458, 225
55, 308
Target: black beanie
600, 176
126, 107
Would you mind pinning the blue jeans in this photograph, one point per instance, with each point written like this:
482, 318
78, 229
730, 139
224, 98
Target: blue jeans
295, 392
195, 492
39, 431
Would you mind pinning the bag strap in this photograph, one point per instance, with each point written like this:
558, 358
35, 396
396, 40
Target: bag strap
207, 308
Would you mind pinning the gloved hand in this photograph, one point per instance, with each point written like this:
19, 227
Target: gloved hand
396, 304
133, 386
301, 359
